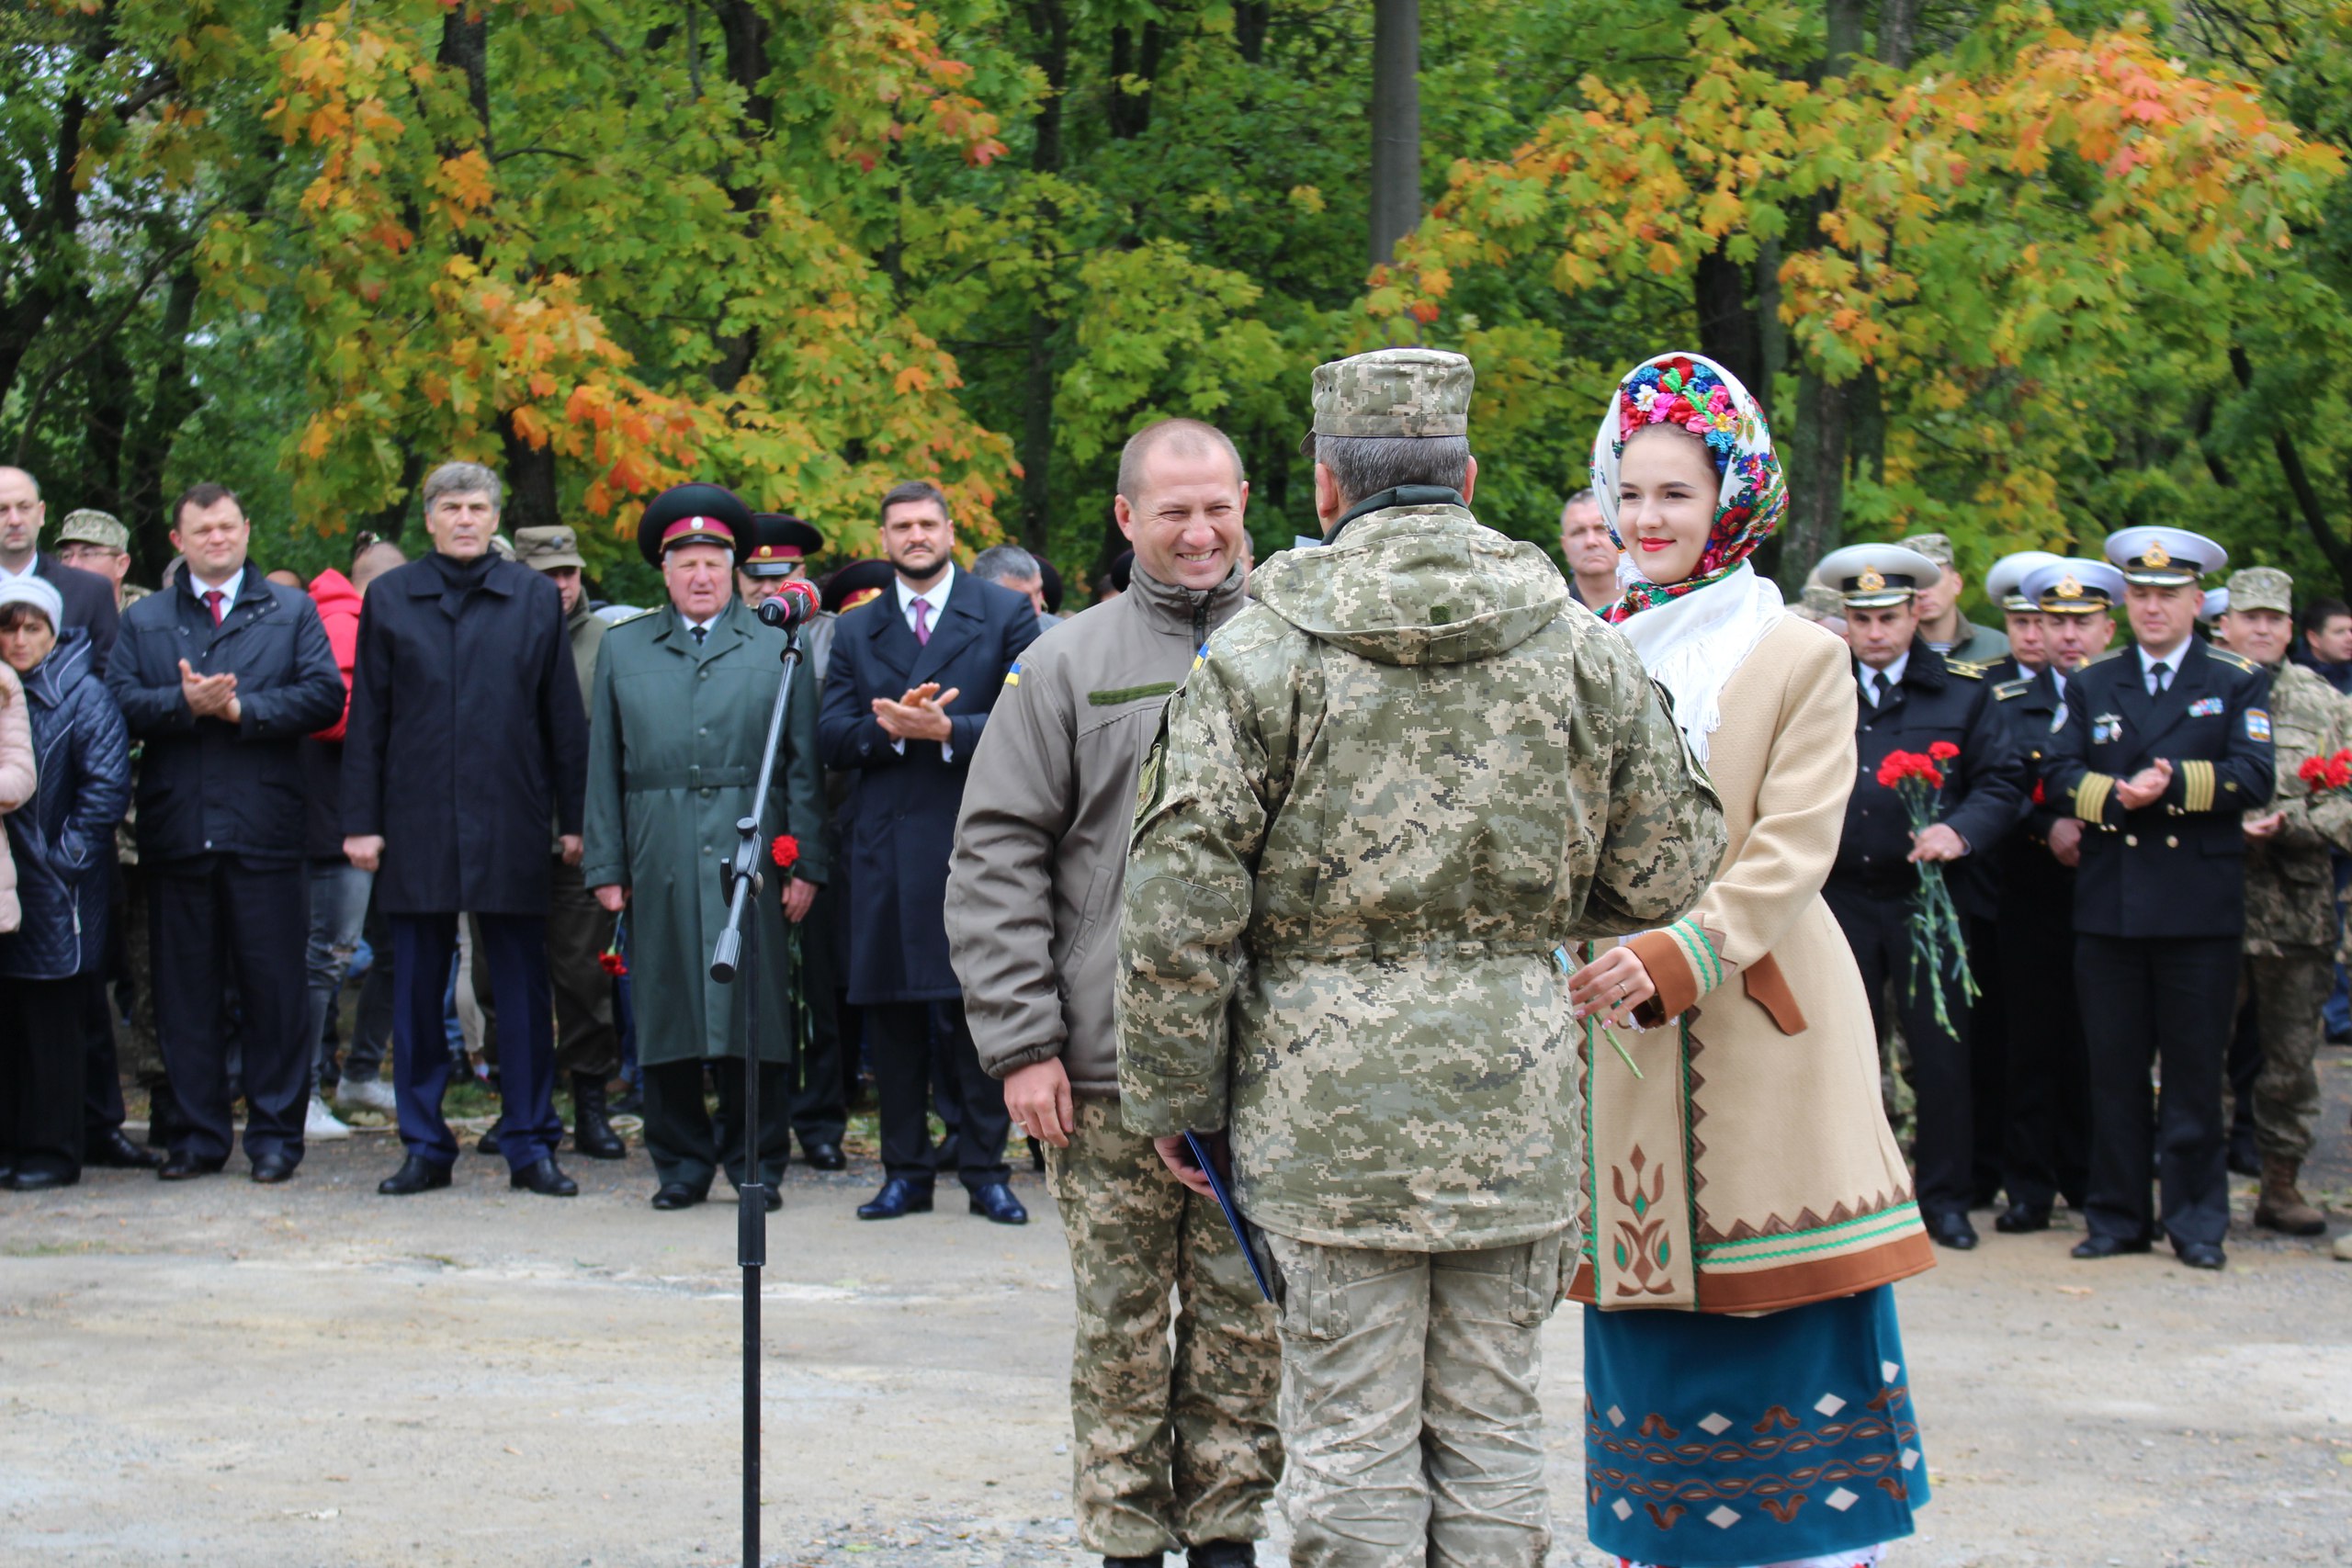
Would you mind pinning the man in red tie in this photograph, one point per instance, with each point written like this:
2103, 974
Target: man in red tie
222, 675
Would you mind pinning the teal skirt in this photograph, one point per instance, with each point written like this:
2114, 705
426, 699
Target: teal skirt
1720, 1442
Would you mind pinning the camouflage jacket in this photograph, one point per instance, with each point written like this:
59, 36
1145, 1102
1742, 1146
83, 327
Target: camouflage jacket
1387, 792
2289, 884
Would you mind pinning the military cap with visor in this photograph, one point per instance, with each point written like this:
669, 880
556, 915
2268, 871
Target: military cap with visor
779, 545
549, 549
2153, 557
695, 513
2259, 588
856, 583
2004, 584
2073, 587
1390, 394
1870, 577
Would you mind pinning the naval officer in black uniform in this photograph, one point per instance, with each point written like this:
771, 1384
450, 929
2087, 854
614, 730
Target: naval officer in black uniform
2160, 751
1912, 697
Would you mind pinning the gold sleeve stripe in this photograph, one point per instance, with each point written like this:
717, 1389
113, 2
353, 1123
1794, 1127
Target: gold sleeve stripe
2090, 796
2196, 786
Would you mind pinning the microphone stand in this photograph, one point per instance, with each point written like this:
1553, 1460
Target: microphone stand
736, 953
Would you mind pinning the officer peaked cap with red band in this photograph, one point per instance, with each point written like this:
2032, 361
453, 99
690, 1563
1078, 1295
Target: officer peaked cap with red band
780, 542
693, 514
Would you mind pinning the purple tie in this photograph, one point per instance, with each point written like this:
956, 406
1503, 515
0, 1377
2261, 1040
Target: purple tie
923, 622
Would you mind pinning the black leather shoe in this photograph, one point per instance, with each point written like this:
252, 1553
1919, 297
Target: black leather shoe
1151, 1560
543, 1176
1953, 1231
997, 1203
592, 1133
898, 1196
824, 1156
162, 1115
272, 1169
2092, 1247
677, 1195
1222, 1555
2244, 1159
416, 1174
2018, 1219
115, 1152
487, 1143
39, 1181
180, 1166
2202, 1254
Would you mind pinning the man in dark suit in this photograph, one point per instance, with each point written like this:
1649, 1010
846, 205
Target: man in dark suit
1911, 699
913, 677
466, 737
2160, 752
89, 598
222, 675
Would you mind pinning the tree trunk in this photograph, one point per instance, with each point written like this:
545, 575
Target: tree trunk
156, 431
745, 32
45, 243
1049, 34
1898, 26
1250, 19
1814, 454
1130, 110
1728, 332
1395, 124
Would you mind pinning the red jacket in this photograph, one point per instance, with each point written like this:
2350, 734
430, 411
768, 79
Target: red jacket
338, 603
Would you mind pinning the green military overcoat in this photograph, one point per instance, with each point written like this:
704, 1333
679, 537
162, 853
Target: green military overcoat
675, 737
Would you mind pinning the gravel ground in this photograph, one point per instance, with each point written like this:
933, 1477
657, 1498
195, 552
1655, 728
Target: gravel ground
215, 1371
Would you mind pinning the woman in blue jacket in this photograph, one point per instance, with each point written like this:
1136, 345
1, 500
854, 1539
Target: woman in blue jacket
62, 841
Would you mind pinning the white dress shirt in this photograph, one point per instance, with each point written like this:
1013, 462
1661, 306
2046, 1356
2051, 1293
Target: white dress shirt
2171, 662
226, 588
1893, 673
935, 596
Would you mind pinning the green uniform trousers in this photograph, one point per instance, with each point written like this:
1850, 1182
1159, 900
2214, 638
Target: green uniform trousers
2289, 992
1162, 1455
1409, 1404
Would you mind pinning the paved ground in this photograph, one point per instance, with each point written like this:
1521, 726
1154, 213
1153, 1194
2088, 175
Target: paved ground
309, 1374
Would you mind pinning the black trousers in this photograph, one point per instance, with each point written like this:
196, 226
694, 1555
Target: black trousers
515, 950
2165, 1002
1878, 930
42, 1055
102, 1108
900, 1035
2046, 1130
215, 916
1989, 1052
819, 1106
689, 1145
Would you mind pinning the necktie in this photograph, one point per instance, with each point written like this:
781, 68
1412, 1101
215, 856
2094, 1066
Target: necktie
1880, 687
2159, 678
701, 635
212, 602
922, 621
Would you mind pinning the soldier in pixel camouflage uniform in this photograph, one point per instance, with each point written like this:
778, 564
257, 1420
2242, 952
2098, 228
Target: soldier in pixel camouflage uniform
2289, 885
1389, 791
1182, 1455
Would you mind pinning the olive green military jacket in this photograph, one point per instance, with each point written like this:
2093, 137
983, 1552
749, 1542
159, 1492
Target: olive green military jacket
674, 733
1388, 792
2289, 883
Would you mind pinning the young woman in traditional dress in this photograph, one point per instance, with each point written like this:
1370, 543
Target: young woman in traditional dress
1747, 1400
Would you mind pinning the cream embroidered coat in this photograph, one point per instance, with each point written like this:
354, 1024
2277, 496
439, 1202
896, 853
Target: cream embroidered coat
1749, 1168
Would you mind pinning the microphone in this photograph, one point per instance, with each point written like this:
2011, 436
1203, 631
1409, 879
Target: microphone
796, 606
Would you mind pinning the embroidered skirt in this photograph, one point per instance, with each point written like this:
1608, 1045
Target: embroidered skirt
1715, 1442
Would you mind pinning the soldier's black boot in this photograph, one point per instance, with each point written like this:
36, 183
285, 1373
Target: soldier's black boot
1222, 1555
1151, 1561
591, 1133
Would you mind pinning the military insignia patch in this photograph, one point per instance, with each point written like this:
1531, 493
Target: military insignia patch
2257, 724
2204, 707
2107, 726
1012, 676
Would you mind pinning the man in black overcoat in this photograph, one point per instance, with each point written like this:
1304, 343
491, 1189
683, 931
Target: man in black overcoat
913, 677
467, 738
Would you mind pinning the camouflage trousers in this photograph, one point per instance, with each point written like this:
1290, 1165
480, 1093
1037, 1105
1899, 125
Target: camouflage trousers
2289, 992
1409, 1405
1162, 1455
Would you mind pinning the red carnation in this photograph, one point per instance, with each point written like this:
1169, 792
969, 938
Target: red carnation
1943, 750
786, 851
2339, 769
2313, 771
612, 963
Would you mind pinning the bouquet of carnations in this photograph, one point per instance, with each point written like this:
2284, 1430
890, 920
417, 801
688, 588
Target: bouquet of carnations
1936, 938
2324, 774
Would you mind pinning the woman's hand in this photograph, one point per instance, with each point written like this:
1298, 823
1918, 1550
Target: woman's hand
1611, 987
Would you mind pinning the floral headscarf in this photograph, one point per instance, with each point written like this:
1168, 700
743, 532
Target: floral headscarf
1708, 400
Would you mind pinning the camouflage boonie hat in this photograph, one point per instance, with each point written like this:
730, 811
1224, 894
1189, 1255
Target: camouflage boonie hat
91, 527
544, 549
2262, 588
1391, 392
1823, 600
1935, 547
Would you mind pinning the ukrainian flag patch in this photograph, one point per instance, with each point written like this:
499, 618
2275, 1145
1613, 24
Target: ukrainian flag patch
1012, 676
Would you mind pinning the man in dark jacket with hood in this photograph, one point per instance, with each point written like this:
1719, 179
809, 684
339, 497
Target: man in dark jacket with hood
466, 737
222, 675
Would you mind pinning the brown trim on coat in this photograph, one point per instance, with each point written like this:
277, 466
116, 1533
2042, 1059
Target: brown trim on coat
1768, 989
1670, 969
1796, 1285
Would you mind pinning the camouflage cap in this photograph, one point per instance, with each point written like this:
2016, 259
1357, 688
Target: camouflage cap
2262, 588
1393, 392
1823, 600
91, 527
545, 548
1935, 547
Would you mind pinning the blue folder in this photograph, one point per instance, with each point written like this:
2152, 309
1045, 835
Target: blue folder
1232, 1215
